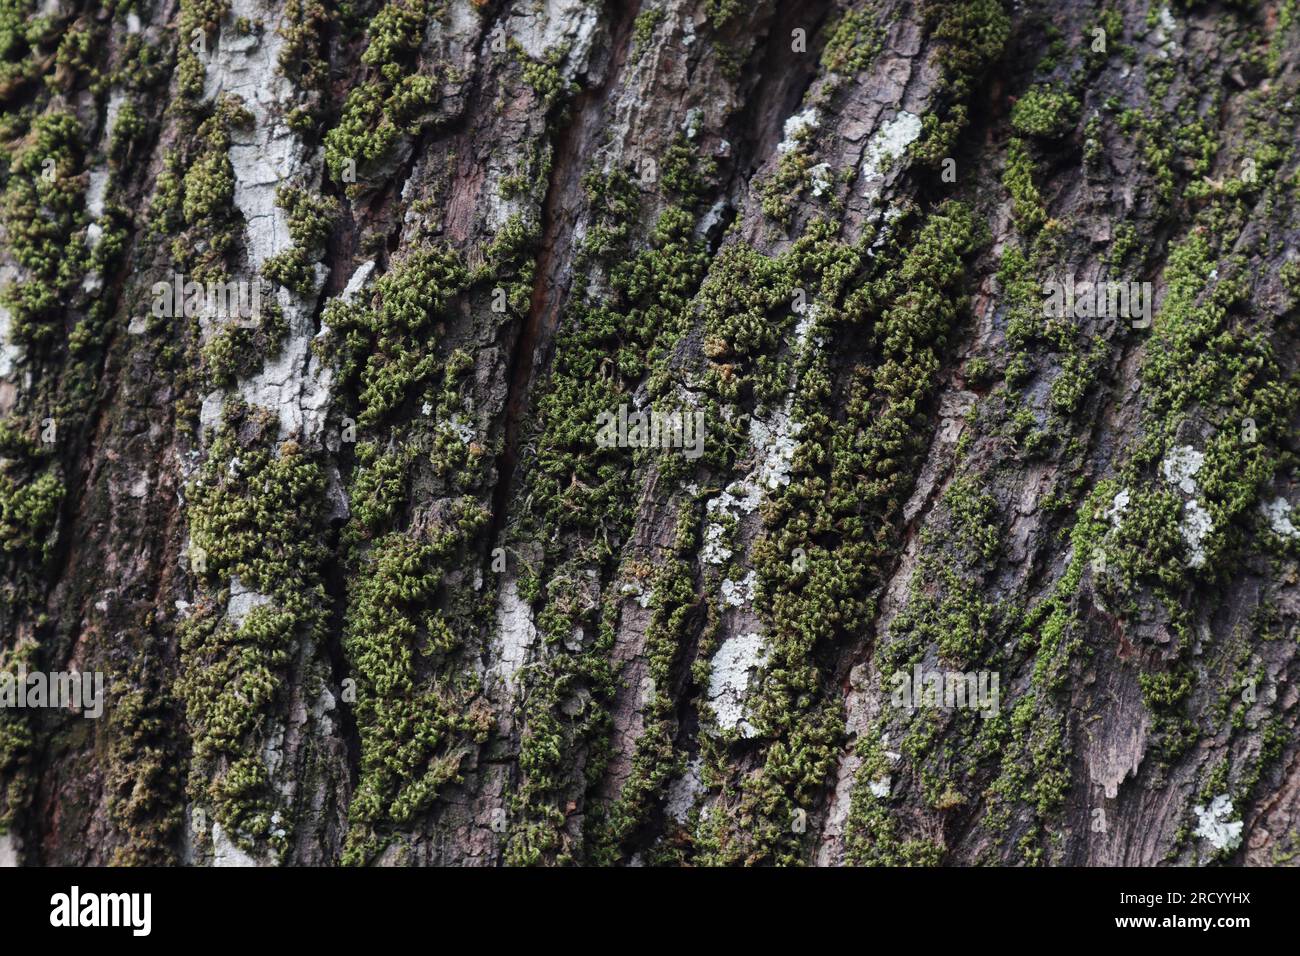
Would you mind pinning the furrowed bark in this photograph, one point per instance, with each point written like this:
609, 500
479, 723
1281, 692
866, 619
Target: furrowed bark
380, 576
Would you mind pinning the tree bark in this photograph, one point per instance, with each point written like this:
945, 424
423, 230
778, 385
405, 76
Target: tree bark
392, 568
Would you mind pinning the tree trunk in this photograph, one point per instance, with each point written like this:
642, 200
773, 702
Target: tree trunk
677, 432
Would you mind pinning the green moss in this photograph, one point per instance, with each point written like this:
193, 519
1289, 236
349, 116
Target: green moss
722, 12
414, 733
615, 340
393, 102
1165, 690
253, 513
144, 782
28, 510
209, 187
43, 214
643, 28
511, 259
970, 36
311, 217
873, 838
387, 348
1045, 111
544, 76
578, 501
1018, 178
193, 200
128, 128
782, 190
655, 760
302, 61
835, 497
1158, 149
16, 739
235, 351
854, 41
1077, 376
378, 486
199, 22
23, 32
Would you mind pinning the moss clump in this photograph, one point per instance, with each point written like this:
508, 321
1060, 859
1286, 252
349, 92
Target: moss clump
253, 508
414, 732
1047, 112
43, 216
781, 190
301, 61
199, 22
28, 511
644, 26
511, 258
544, 76
722, 12
128, 129
624, 334
144, 782
396, 98
193, 201
614, 340
387, 347
23, 32
854, 41
848, 484
655, 760
236, 351
1018, 178
16, 739
310, 219
379, 487
969, 36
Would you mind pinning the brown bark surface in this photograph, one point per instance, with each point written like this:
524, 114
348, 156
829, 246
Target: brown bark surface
366, 586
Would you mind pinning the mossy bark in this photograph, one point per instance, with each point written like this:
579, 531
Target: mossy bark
365, 583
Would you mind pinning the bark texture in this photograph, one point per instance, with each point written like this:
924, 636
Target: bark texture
367, 582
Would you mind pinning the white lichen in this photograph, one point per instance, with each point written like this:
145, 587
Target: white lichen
225, 852
715, 550
1115, 513
888, 142
739, 593
263, 154
1215, 826
8, 850
1181, 465
733, 667
796, 129
10, 354
242, 601
634, 590
777, 443
1195, 528
1278, 513
515, 632
684, 790
567, 25
819, 178
739, 497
